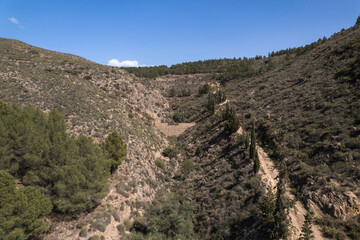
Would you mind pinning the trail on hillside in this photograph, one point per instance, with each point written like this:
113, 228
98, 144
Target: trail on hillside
269, 176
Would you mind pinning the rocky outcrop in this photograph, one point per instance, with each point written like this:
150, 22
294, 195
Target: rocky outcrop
338, 205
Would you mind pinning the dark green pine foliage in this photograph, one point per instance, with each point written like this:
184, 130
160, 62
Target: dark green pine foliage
253, 142
267, 208
307, 233
172, 92
281, 214
228, 112
253, 152
220, 97
211, 104
115, 149
256, 166
247, 141
232, 122
36, 149
205, 89
168, 219
21, 210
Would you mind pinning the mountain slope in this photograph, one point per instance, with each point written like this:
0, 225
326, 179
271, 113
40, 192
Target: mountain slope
306, 108
96, 100
305, 104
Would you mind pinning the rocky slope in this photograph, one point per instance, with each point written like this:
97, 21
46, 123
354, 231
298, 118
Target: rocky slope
306, 108
305, 105
96, 100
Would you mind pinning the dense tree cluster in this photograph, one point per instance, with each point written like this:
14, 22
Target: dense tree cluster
225, 68
21, 210
36, 150
299, 50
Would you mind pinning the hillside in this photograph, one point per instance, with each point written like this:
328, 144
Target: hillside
306, 110
95, 100
302, 105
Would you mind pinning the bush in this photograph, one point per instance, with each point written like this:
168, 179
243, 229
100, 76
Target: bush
205, 89
160, 164
185, 93
115, 148
97, 225
121, 228
122, 189
172, 92
188, 166
170, 153
171, 219
96, 237
127, 224
83, 232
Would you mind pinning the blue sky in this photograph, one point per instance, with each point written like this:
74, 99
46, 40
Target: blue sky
171, 31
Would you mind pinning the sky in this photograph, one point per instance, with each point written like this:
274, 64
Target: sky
166, 32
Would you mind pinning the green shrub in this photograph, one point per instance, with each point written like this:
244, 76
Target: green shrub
160, 163
121, 228
170, 153
172, 92
98, 225
122, 189
83, 232
188, 166
115, 148
171, 219
127, 224
96, 237
205, 89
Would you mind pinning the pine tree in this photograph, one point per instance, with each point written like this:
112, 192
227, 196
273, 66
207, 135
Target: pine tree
115, 148
253, 152
247, 141
228, 112
232, 122
267, 208
282, 222
211, 104
307, 233
256, 163
253, 142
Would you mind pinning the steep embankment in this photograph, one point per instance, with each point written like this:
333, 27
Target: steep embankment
96, 100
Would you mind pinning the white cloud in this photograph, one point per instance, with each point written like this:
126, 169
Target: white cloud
126, 63
14, 20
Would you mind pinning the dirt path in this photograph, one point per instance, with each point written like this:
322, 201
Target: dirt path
269, 176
